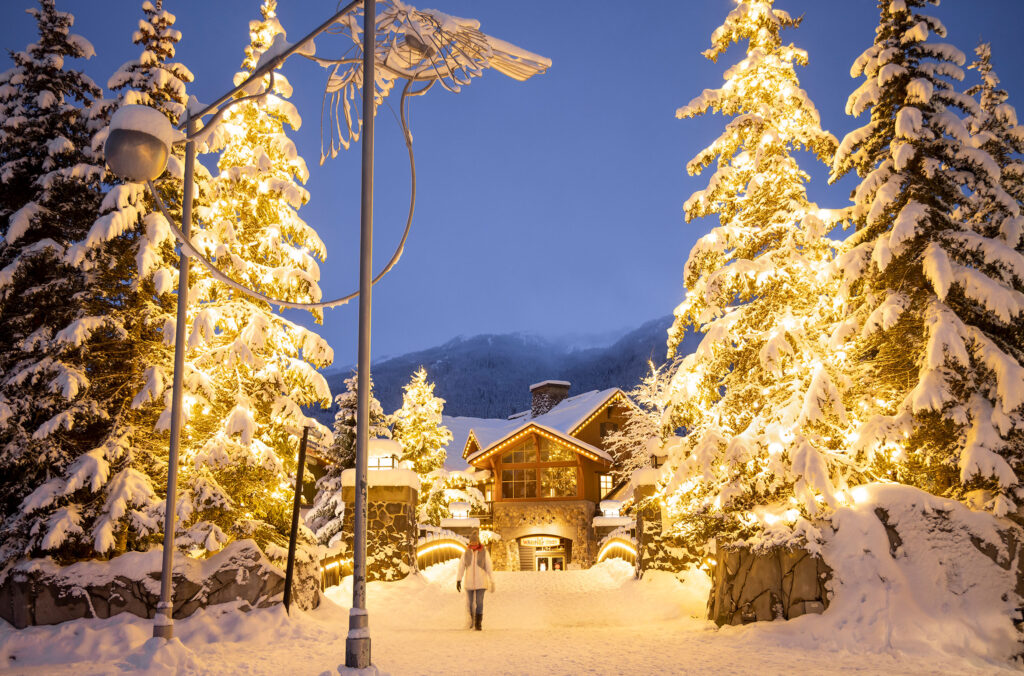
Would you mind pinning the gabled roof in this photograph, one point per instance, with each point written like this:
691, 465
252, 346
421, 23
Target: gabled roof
580, 447
563, 421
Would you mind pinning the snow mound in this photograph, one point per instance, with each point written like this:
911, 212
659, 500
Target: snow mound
606, 595
916, 574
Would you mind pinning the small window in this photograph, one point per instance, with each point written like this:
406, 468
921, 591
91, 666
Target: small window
605, 484
608, 427
381, 462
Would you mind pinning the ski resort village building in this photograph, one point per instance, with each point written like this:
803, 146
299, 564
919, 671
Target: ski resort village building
550, 476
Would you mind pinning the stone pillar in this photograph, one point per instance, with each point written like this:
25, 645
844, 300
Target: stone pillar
781, 583
390, 530
655, 550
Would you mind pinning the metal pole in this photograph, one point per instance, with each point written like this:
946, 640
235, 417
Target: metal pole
357, 643
164, 618
295, 522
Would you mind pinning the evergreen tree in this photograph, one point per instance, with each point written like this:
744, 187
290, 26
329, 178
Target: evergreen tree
115, 490
440, 488
758, 399
251, 370
630, 444
934, 288
51, 397
994, 124
418, 425
326, 517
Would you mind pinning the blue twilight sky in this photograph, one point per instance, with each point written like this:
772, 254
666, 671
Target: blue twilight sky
552, 206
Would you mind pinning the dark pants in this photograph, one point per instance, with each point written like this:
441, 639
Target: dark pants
475, 601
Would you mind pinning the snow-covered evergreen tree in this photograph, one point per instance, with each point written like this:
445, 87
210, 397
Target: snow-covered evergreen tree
342, 453
52, 412
251, 370
934, 287
995, 129
441, 487
759, 399
326, 517
114, 489
629, 445
418, 425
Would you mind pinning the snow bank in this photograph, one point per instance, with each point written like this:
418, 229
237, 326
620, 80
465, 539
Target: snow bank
463, 522
606, 595
606, 622
919, 583
615, 521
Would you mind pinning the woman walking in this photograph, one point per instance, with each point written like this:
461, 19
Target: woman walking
475, 565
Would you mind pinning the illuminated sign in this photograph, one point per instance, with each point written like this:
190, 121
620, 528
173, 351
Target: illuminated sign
540, 541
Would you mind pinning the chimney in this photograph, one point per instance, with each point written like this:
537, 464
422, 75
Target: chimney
547, 395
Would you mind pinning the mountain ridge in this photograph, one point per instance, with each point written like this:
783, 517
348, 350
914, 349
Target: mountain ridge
488, 375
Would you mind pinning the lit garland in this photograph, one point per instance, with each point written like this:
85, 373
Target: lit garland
535, 429
613, 545
615, 398
434, 546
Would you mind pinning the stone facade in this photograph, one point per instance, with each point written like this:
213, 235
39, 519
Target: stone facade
391, 530
545, 396
569, 519
783, 583
656, 550
40, 592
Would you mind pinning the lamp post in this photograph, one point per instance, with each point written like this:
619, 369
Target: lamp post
357, 643
138, 147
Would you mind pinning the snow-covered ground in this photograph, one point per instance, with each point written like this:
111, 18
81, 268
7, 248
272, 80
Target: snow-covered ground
572, 622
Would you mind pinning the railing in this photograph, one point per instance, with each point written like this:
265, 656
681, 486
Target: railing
486, 516
333, 568
437, 547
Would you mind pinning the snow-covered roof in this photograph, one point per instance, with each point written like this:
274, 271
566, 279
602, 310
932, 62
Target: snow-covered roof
384, 448
562, 421
563, 383
460, 427
384, 477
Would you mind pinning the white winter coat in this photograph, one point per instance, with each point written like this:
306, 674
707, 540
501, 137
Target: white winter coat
476, 566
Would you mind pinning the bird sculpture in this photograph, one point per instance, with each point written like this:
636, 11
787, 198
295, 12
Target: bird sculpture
426, 47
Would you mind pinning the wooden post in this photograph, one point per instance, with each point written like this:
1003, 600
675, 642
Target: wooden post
295, 523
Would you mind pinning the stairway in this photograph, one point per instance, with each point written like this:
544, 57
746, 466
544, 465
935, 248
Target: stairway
526, 558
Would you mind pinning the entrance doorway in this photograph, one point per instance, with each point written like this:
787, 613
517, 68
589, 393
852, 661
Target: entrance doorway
543, 553
550, 561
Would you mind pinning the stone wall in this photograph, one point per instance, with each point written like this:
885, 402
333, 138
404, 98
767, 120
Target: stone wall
568, 519
391, 530
655, 549
38, 592
783, 583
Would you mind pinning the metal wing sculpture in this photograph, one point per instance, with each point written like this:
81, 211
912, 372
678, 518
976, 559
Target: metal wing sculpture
421, 46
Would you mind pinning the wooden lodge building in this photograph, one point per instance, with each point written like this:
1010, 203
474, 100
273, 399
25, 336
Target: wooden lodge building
549, 472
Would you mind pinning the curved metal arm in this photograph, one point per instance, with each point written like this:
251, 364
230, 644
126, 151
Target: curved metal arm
219, 275
270, 65
208, 126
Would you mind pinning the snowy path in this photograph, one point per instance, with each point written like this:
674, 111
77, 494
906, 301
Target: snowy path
574, 622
